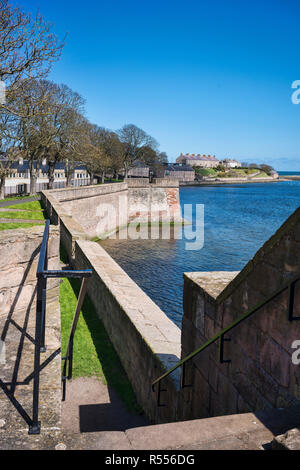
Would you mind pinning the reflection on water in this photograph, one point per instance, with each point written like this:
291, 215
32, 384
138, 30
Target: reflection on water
238, 220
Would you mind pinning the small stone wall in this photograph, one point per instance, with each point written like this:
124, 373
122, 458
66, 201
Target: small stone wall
261, 373
19, 253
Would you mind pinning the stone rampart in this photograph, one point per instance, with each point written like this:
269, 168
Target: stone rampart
103, 209
261, 373
147, 342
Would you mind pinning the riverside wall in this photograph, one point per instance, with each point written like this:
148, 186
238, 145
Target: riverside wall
147, 342
103, 209
261, 374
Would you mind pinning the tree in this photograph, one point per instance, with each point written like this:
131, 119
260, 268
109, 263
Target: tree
27, 130
63, 127
28, 49
9, 153
99, 155
113, 150
27, 46
135, 142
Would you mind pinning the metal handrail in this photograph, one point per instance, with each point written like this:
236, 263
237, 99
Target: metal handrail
290, 285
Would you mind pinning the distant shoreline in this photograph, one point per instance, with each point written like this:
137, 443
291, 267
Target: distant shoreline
258, 180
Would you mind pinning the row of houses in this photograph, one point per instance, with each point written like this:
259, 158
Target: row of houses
206, 161
18, 181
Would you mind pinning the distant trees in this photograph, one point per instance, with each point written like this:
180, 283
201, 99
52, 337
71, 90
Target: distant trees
28, 49
266, 168
263, 167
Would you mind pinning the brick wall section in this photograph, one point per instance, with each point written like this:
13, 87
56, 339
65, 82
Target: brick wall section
261, 374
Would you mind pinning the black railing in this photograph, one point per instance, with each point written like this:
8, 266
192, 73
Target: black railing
220, 337
43, 274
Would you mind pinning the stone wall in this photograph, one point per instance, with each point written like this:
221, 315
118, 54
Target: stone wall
261, 373
155, 202
19, 253
147, 342
102, 209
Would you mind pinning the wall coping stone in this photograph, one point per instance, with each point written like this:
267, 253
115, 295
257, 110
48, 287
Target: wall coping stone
161, 335
211, 284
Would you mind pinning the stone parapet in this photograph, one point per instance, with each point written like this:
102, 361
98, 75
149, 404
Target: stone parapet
261, 373
147, 342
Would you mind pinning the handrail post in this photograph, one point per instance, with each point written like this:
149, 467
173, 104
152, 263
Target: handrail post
35, 427
44, 302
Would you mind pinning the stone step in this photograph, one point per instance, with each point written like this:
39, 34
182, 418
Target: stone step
247, 431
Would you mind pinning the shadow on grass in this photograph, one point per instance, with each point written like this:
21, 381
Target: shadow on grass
113, 372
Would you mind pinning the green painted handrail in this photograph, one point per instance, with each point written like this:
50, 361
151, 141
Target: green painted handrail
220, 336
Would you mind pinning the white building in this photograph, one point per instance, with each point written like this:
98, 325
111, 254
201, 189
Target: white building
18, 181
201, 161
230, 163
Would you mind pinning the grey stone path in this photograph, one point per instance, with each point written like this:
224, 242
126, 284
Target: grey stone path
20, 221
16, 365
92, 406
13, 202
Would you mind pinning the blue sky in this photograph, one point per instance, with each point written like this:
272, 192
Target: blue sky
202, 76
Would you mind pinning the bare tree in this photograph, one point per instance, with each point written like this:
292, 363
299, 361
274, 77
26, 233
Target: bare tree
28, 49
27, 46
134, 141
63, 128
99, 156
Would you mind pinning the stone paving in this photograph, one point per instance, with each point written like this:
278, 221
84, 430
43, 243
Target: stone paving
16, 365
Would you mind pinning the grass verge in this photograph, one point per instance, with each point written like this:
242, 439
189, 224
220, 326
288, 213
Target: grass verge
28, 206
94, 355
28, 215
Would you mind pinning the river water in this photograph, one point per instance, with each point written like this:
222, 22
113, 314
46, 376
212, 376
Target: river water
238, 219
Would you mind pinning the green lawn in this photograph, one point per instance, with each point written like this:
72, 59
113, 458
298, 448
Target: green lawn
15, 197
261, 175
29, 206
94, 355
206, 171
27, 210
29, 215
